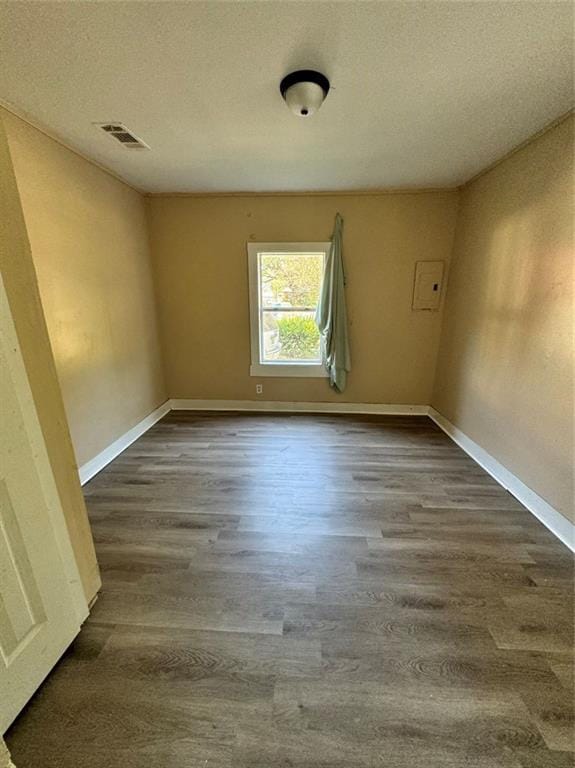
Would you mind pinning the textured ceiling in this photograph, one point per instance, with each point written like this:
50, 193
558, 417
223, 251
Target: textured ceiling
423, 93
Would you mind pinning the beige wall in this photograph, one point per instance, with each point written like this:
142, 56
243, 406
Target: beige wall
21, 286
200, 260
505, 368
90, 248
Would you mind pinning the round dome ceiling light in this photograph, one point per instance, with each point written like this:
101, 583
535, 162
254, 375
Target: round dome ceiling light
304, 91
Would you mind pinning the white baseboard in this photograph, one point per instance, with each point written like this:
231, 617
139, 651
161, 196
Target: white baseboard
293, 407
92, 467
557, 523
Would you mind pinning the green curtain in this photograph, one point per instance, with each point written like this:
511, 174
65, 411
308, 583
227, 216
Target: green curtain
331, 316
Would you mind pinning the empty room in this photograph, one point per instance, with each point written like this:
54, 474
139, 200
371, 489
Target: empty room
287, 384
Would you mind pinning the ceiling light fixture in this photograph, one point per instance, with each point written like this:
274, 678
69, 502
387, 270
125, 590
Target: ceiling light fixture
304, 91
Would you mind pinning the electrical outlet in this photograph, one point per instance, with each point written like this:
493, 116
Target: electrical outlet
259, 389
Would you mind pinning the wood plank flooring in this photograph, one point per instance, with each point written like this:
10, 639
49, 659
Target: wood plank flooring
312, 592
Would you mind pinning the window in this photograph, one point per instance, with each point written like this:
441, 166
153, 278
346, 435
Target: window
285, 281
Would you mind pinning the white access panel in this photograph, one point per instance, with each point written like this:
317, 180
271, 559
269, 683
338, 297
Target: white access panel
428, 284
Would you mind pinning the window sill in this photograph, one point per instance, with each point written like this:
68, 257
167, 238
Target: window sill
287, 371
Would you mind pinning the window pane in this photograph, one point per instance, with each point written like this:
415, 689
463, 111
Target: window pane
290, 337
290, 279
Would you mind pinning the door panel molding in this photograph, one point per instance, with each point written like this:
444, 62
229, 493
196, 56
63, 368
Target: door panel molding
42, 603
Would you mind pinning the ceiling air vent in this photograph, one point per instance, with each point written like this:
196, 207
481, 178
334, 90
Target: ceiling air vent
120, 133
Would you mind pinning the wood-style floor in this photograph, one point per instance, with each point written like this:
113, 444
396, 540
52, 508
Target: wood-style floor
306, 592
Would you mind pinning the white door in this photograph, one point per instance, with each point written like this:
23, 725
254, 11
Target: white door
41, 601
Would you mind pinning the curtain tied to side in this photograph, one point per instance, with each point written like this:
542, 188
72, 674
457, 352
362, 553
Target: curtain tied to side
331, 315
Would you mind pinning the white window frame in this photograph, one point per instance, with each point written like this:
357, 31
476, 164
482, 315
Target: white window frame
280, 368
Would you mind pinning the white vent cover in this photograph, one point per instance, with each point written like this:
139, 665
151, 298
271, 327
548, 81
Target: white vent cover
121, 134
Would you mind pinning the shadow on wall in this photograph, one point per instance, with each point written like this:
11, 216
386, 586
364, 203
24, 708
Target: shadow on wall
506, 369
524, 282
